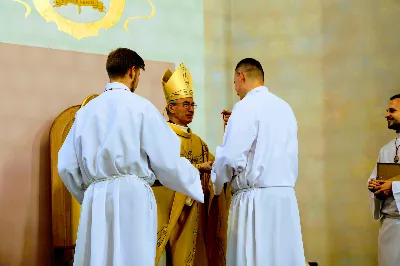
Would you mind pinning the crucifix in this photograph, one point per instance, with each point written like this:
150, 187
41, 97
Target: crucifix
225, 116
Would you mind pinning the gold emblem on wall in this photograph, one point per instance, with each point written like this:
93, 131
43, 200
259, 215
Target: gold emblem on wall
81, 30
94, 4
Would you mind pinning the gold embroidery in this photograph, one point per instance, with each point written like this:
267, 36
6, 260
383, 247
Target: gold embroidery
95, 4
161, 235
177, 85
192, 254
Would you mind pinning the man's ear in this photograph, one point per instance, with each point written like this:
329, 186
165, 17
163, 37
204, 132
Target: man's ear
170, 109
131, 73
242, 77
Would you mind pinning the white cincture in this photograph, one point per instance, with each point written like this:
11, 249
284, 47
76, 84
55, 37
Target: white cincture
253, 188
142, 179
242, 190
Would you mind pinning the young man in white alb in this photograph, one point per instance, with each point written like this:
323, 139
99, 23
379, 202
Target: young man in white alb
118, 144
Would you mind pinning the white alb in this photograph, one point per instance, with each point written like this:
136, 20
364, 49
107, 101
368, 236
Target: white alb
387, 211
116, 147
259, 158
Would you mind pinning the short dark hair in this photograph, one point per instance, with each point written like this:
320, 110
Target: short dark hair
252, 67
121, 60
397, 96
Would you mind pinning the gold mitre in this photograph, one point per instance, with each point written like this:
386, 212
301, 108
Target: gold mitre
177, 85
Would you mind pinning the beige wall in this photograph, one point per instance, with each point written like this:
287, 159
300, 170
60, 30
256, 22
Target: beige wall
37, 85
361, 58
335, 62
218, 78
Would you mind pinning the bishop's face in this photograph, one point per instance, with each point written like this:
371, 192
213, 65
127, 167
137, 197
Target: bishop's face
393, 114
182, 112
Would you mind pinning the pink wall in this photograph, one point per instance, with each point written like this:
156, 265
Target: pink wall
37, 85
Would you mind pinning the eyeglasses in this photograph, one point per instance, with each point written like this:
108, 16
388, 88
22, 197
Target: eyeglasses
188, 105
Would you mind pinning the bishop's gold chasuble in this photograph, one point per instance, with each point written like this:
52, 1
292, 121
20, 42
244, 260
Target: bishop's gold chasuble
192, 233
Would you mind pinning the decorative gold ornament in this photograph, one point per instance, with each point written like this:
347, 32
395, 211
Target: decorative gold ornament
88, 99
177, 85
28, 8
153, 10
95, 4
81, 30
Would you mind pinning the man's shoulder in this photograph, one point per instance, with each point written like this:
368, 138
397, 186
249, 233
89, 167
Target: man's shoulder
139, 99
268, 105
260, 100
389, 145
119, 96
280, 102
280, 107
131, 101
141, 104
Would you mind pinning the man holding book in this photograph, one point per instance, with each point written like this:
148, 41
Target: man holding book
384, 184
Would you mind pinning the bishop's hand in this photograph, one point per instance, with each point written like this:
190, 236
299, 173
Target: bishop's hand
226, 114
206, 167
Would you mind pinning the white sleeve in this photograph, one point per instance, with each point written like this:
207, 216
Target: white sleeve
375, 204
396, 193
162, 146
68, 167
231, 156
